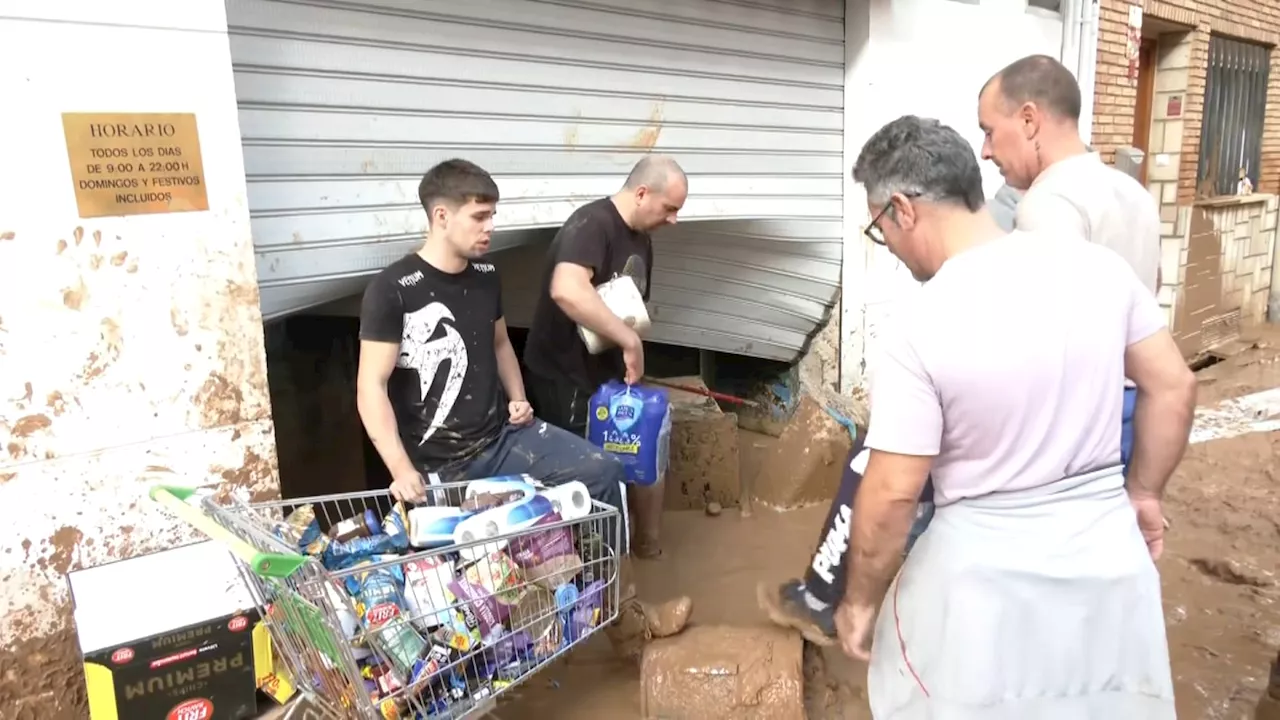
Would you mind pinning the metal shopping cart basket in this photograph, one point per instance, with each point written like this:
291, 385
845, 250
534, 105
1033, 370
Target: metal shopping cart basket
436, 633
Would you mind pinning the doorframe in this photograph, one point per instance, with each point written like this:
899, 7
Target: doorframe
1146, 100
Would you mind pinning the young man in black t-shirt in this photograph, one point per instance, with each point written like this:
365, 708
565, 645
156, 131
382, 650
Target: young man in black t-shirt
439, 387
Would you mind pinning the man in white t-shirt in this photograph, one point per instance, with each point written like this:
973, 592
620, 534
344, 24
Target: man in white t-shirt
1034, 592
1029, 113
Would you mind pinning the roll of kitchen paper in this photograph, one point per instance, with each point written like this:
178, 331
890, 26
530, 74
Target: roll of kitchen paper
432, 526
495, 522
571, 500
501, 485
623, 299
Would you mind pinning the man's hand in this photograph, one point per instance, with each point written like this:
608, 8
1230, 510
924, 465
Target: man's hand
409, 487
521, 412
633, 358
855, 625
1151, 522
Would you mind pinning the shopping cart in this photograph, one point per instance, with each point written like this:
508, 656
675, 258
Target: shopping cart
442, 637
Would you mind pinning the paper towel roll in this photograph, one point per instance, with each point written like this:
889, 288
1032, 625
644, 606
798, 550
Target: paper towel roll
571, 500
433, 526
495, 522
623, 299
501, 485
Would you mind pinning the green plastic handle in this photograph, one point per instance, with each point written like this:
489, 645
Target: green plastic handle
264, 564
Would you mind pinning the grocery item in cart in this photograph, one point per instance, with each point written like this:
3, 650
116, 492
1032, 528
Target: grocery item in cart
488, 613
502, 520
488, 500
582, 610
301, 530
394, 538
432, 526
341, 602
548, 558
363, 525
499, 576
571, 501
501, 484
388, 630
426, 583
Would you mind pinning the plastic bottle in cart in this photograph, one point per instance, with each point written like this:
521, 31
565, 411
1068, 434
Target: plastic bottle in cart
388, 629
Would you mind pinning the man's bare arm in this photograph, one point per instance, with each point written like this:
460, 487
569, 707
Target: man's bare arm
377, 360
1163, 412
571, 289
508, 365
883, 513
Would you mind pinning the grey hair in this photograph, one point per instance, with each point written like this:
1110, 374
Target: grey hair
654, 171
922, 158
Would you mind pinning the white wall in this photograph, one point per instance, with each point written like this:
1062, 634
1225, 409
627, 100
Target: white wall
927, 58
130, 348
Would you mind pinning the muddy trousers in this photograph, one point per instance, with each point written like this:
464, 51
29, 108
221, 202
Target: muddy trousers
828, 570
554, 457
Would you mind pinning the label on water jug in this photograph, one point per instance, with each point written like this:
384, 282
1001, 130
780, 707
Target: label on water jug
632, 423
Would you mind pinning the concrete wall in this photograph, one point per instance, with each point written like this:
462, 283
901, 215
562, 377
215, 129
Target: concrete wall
131, 348
928, 58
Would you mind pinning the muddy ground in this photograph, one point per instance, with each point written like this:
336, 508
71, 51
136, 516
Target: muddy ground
1219, 571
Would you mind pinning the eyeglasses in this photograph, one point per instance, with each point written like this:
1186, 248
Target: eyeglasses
873, 230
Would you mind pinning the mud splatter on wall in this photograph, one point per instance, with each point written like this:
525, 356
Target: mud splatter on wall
130, 348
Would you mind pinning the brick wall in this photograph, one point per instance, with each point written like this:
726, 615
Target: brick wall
1116, 98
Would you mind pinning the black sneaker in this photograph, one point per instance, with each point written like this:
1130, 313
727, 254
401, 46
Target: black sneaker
787, 606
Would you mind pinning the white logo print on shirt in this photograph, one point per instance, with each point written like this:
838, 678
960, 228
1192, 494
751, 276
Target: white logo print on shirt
419, 352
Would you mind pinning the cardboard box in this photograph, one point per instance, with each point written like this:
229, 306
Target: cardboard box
170, 636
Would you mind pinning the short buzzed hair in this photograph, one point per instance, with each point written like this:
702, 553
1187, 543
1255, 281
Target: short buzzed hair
455, 183
1044, 81
653, 171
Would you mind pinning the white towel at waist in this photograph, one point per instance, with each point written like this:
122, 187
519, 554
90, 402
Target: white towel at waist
1040, 604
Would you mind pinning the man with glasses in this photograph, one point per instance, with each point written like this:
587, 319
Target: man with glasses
808, 603
1029, 113
1034, 593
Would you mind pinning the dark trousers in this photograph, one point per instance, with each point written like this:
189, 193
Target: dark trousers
554, 457
828, 570
561, 402
827, 573
1126, 427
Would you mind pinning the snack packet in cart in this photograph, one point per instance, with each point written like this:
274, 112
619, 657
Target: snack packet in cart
426, 583
500, 576
394, 538
301, 530
547, 558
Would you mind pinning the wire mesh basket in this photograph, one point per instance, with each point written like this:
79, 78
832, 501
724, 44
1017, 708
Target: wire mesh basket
404, 632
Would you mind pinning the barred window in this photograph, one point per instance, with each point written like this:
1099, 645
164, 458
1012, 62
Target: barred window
1235, 99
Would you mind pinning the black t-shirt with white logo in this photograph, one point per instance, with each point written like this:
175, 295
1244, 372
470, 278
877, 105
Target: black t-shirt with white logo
596, 237
448, 399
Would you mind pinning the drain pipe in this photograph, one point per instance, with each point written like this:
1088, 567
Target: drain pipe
1087, 63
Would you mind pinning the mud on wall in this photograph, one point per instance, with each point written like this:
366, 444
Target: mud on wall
130, 348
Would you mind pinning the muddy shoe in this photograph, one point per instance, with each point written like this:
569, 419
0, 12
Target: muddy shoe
787, 606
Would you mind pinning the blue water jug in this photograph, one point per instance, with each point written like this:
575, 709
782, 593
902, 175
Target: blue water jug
633, 423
